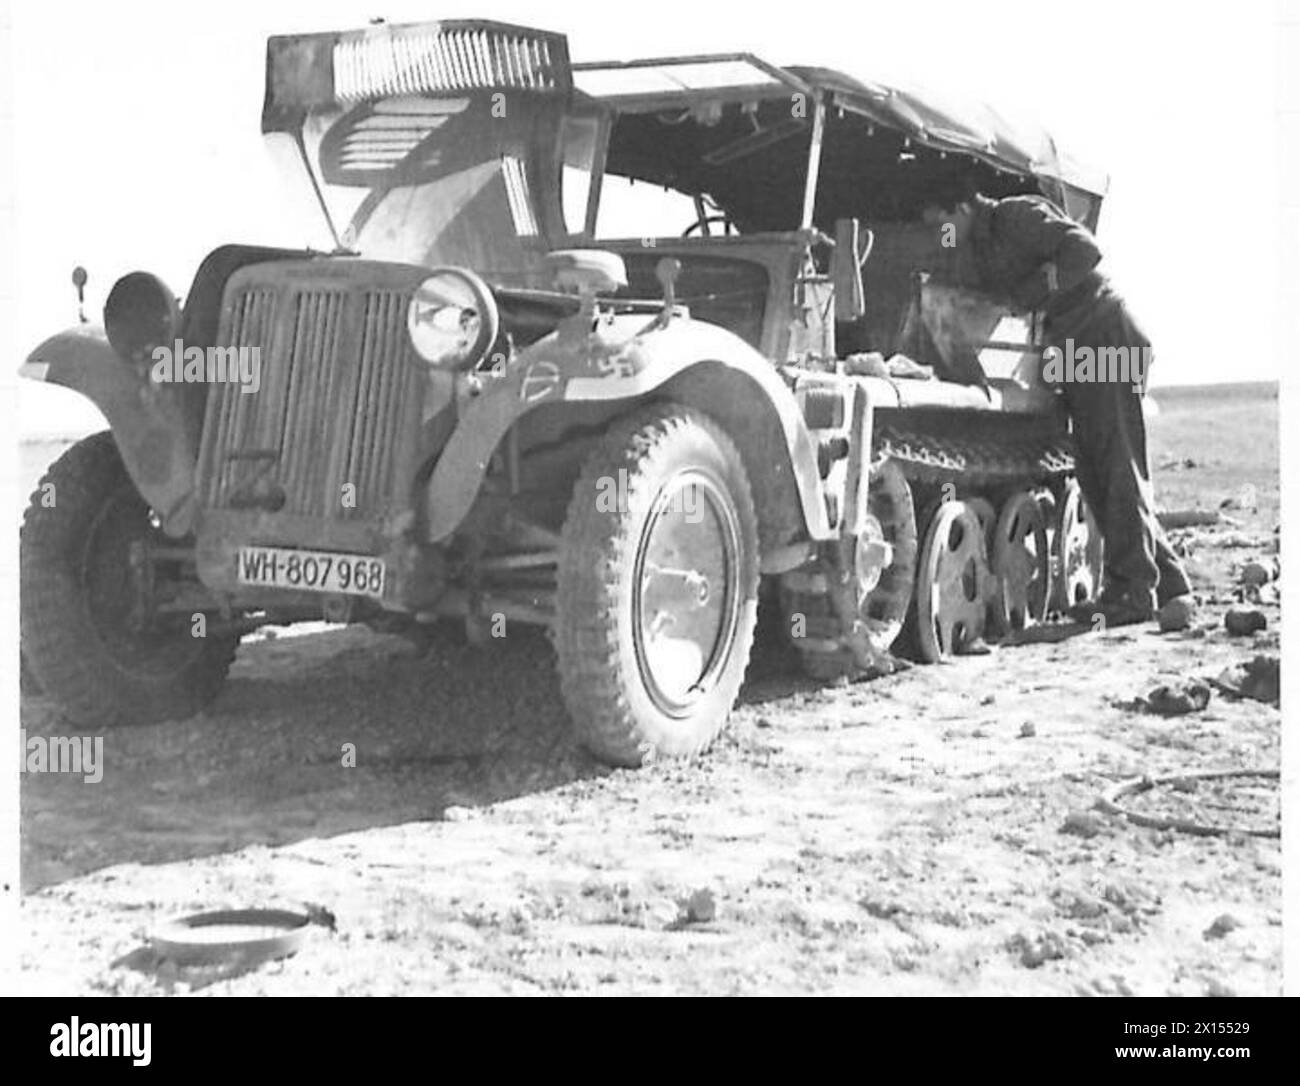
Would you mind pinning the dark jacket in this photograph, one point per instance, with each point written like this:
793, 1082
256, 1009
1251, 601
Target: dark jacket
1011, 240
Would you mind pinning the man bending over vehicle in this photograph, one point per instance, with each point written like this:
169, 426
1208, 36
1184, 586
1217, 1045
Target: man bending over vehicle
1023, 251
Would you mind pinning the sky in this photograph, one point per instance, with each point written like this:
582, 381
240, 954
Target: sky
136, 139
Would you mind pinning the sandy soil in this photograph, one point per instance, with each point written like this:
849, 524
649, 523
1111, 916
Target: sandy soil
934, 832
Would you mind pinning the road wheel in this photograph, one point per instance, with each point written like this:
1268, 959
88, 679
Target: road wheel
89, 637
1078, 552
1022, 562
954, 586
879, 582
657, 587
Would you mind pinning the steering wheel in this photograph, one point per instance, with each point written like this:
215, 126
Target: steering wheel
710, 220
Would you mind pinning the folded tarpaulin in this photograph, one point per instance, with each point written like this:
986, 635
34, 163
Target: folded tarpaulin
339, 69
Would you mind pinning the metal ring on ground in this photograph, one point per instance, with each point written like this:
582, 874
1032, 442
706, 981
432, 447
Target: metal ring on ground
243, 935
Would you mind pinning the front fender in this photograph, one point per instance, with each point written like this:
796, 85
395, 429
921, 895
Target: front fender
626, 361
150, 425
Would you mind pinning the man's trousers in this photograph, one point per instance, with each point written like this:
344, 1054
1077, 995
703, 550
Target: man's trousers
1110, 451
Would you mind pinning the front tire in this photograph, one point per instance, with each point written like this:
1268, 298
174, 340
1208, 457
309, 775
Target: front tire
657, 587
84, 637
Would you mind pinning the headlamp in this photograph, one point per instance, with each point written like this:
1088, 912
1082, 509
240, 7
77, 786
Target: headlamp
140, 315
453, 319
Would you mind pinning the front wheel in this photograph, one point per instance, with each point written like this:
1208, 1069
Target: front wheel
94, 634
657, 587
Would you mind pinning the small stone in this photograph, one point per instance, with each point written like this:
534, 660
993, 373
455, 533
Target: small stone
1260, 679
700, 907
457, 814
1078, 905
1027, 730
1241, 622
881, 910
1245, 499
1176, 614
319, 914
1221, 926
663, 913
1083, 824
1217, 988
1263, 679
1130, 896
1033, 952
1255, 573
1179, 699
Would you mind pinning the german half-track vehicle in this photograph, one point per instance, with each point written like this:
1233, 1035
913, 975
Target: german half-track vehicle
610, 348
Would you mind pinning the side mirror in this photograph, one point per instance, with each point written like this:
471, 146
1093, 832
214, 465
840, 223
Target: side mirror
79, 278
847, 259
589, 271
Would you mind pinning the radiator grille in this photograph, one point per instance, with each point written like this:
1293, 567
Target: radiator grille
337, 383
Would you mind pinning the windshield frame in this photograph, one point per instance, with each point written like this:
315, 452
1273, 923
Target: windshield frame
522, 134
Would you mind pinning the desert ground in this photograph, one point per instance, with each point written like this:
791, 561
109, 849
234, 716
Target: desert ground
934, 832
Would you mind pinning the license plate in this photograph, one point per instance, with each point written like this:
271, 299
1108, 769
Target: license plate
311, 571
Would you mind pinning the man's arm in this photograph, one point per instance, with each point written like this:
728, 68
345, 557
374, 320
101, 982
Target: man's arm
1064, 250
